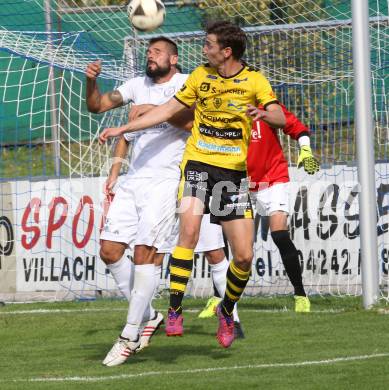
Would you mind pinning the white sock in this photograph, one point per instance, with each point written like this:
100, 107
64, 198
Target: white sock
141, 297
235, 313
157, 278
150, 312
219, 277
123, 273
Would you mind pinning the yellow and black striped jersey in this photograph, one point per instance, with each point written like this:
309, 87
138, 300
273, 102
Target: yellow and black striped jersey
221, 130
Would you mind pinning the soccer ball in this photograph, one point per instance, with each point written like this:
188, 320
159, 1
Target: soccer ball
146, 15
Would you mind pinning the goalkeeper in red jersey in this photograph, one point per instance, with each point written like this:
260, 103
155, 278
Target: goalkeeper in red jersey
268, 172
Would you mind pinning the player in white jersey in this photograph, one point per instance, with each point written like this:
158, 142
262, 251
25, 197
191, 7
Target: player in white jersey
142, 213
143, 210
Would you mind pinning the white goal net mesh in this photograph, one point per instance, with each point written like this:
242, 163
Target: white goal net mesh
50, 158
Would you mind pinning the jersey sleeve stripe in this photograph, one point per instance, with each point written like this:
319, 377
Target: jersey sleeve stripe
186, 105
304, 132
272, 102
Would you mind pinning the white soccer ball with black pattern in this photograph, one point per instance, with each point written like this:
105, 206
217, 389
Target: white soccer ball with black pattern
146, 15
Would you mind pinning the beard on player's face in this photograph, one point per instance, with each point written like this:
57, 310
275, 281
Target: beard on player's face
157, 71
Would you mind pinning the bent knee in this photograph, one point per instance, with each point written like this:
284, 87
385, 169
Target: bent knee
243, 259
110, 254
215, 256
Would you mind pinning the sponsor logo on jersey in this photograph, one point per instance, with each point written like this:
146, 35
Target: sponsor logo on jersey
212, 77
163, 125
256, 132
221, 119
234, 106
236, 197
248, 214
204, 87
195, 186
196, 176
218, 148
237, 81
239, 205
228, 133
234, 91
203, 101
217, 102
169, 92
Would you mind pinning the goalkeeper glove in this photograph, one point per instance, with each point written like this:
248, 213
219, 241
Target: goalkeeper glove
307, 160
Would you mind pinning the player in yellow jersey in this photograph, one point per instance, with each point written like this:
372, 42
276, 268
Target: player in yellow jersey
225, 93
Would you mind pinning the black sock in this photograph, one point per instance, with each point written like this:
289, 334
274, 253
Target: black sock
289, 256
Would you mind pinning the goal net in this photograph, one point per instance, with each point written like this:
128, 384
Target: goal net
53, 168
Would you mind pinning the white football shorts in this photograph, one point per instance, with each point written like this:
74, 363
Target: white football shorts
271, 199
210, 238
143, 212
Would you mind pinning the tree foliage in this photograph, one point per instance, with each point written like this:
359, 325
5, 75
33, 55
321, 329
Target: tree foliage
92, 3
263, 12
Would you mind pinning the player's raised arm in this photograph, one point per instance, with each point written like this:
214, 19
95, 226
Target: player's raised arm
272, 115
153, 117
95, 101
138, 110
183, 119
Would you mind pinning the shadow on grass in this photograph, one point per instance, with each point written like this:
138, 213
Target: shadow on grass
169, 354
198, 340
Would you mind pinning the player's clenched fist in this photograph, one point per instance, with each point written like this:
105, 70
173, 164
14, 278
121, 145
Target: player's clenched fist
93, 70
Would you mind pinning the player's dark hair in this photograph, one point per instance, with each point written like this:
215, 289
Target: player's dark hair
172, 45
229, 35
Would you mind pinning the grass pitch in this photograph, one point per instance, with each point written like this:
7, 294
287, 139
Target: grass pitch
61, 346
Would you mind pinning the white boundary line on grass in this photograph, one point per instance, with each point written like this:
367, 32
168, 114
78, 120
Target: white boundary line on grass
198, 370
59, 311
